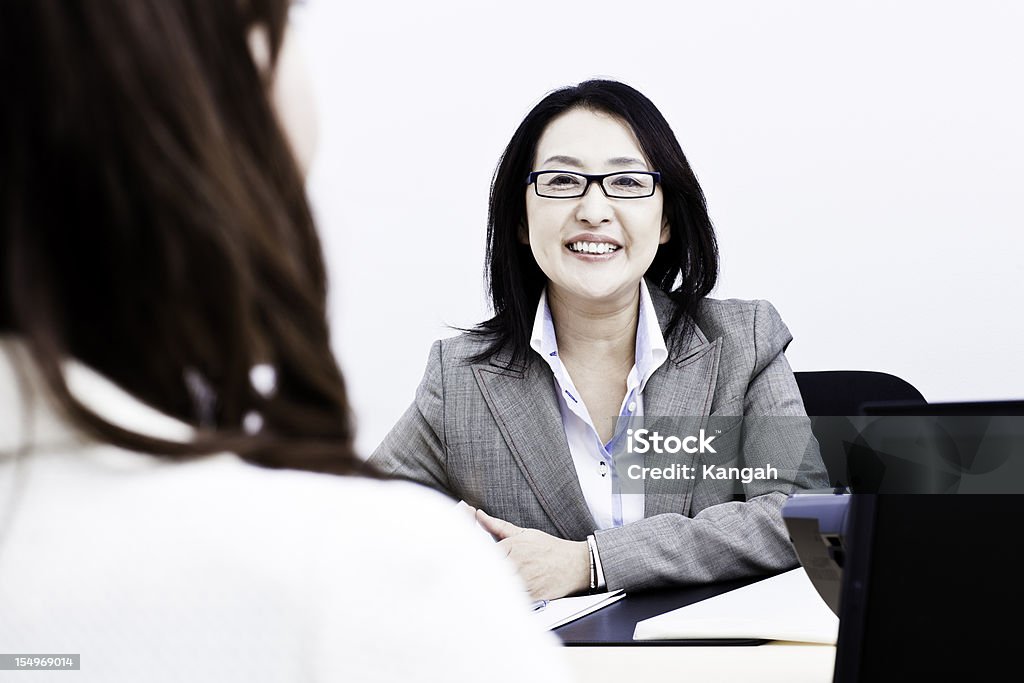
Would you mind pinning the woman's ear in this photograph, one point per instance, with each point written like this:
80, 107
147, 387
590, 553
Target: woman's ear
666, 231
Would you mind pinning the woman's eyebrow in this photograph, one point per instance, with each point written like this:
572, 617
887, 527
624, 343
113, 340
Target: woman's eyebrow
573, 161
627, 161
562, 159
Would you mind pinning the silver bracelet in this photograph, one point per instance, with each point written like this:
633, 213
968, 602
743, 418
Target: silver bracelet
593, 566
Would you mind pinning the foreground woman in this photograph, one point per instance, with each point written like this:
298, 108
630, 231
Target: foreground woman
162, 332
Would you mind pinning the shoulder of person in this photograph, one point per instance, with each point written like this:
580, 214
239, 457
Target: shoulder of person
740, 320
402, 559
458, 354
343, 506
273, 524
752, 333
377, 565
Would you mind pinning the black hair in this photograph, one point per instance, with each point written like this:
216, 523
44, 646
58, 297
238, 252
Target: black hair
515, 281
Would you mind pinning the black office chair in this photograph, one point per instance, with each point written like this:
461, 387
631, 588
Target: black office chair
843, 392
833, 395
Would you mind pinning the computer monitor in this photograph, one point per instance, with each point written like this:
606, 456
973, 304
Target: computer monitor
931, 589
950, 408
932, 444
954, 447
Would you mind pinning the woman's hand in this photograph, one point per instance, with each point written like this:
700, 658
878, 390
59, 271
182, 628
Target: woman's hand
550, 567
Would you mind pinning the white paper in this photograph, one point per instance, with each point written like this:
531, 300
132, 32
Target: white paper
563, 610
783, 607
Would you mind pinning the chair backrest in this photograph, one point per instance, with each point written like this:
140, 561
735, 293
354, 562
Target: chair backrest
833, 395
843, 392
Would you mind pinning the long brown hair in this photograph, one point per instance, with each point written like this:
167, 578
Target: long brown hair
154, 225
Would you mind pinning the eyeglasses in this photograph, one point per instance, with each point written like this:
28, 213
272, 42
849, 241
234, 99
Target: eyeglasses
569, 185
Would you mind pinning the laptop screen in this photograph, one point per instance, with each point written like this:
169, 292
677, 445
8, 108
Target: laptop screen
930, 587
952, 408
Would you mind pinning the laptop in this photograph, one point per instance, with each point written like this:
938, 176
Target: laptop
954, 447
951, 409
930, 589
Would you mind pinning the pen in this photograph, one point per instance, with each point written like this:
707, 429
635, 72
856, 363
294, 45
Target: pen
539, 604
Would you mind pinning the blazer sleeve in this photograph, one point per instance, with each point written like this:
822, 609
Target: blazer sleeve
735, 538
415, 449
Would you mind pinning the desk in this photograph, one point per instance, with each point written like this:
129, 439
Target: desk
600, 647
774, 662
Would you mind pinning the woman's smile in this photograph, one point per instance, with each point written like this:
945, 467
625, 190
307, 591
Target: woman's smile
593, 248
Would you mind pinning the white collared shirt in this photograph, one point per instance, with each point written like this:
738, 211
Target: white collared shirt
592, 458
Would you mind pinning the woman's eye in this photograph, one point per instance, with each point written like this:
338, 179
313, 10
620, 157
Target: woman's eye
563, 180
626, 181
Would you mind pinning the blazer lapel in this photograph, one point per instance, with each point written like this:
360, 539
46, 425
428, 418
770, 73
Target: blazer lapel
523, 404
678, 397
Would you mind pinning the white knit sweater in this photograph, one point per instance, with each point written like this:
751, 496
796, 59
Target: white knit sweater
216, 570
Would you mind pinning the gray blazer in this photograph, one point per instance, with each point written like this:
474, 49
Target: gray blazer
495, 439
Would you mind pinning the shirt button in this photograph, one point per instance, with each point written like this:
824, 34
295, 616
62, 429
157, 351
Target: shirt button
602, 469
632, 406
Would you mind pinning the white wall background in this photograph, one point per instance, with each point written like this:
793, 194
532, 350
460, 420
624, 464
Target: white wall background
863, 164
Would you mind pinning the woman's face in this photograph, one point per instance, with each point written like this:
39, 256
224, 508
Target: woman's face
559, 231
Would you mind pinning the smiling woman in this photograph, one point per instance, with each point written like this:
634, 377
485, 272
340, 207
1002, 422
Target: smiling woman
600, 258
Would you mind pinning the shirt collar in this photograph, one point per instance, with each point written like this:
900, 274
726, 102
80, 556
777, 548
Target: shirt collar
651, 351
542, 339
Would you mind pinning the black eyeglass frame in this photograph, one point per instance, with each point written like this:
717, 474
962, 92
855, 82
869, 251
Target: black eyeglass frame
531, 179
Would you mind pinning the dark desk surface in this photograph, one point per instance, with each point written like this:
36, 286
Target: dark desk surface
613, 625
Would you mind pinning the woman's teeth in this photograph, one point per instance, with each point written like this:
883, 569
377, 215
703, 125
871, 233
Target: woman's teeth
592, 247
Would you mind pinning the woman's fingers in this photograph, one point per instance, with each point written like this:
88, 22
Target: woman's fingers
498, 528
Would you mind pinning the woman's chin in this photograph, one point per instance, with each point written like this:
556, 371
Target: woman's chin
599, 290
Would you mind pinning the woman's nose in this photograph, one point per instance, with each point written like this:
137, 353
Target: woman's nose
594, 208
